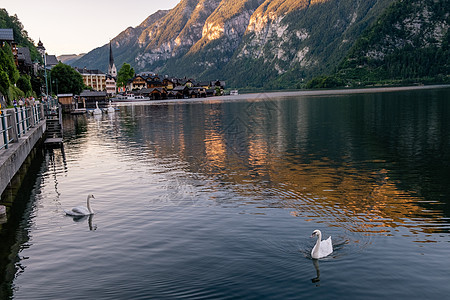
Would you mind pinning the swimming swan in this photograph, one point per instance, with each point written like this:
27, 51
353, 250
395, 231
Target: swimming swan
97, 111
321, 248
110, 109
80, 211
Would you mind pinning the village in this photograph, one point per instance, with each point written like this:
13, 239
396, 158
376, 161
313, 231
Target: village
102, 88
143, 86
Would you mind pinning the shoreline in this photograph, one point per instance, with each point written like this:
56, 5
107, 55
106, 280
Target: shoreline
269, 95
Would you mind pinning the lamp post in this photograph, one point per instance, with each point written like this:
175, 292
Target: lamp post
41, 49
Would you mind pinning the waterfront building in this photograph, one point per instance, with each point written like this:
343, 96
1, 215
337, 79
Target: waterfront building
169, 83
110, 85
95, 79
90, 97
137, 83
154, 82
66, 101
154, 93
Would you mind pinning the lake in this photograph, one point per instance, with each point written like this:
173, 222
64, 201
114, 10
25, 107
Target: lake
218, 200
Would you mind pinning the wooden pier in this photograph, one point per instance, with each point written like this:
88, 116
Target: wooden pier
54, 133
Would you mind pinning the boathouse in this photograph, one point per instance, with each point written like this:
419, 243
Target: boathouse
90, 97
154, 93
66, 101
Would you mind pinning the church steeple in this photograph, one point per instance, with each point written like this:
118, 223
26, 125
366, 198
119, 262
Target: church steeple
112, 71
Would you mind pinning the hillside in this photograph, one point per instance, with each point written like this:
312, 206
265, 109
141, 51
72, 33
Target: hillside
267, 44
69, 58
409, 43
16, 82
20, 34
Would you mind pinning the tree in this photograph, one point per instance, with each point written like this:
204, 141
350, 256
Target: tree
69, 80
7, 63
4, 82
8, 72
24, 84
20, 34
126, 72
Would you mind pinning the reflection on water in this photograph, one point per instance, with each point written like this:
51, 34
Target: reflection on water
316, 266
82, 219
367, 163
218, 199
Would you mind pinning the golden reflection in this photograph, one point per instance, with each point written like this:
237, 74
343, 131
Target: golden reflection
258, 154
262, 169
215, 149
344, 196
320, 190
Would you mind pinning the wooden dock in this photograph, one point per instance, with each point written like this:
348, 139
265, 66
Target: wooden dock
53, 141
54, 133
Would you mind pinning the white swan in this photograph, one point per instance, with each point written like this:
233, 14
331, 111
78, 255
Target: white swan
97, 111
80, 211
111, 109
321, 248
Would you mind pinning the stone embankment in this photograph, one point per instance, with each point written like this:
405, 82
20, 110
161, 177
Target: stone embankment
20, 130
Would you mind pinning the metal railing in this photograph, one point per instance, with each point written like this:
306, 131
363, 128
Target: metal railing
14, 123
6, 137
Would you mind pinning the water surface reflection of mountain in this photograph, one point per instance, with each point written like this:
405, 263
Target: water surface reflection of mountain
369, 163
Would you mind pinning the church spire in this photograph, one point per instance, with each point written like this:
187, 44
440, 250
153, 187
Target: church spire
112, 71
111, 58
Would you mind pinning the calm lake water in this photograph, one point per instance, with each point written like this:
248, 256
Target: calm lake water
217, 200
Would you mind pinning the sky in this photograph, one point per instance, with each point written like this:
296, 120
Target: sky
74, 27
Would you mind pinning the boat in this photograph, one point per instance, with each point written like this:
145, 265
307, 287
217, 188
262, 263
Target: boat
130, 98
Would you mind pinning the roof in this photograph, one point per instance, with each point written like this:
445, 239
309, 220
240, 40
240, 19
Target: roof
6, 34
180, 88
87, 71
87, 93
143, 77
23, 54
152, 81
151, 90
51, 60
221, 82
146, 74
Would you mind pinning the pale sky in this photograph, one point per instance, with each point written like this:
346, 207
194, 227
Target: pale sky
74, 27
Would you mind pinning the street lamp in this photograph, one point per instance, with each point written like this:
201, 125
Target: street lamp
40, 48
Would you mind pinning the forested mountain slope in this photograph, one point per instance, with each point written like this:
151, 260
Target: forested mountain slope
410, 42
253, 43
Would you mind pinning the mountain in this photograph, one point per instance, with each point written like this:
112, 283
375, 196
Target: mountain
249, 43
410, 42
69, 58
125, 47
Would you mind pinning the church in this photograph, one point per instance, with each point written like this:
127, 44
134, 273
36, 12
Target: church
112, 74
